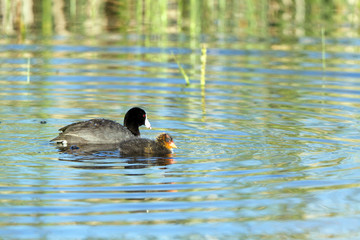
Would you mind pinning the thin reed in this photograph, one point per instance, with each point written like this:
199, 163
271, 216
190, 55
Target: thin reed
203, 63
186, 77
28, 70
323, 51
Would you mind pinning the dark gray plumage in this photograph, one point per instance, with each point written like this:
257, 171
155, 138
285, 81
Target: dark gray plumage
142, 146
103, 131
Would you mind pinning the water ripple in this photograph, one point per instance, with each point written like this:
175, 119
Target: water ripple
267, 148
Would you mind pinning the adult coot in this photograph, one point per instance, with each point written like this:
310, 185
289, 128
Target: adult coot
103, 131
141, 146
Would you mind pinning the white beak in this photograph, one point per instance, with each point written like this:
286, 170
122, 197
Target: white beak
147, 123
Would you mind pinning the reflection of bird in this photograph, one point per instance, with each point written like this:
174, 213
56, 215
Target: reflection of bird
100, 150
141, 146
103, 131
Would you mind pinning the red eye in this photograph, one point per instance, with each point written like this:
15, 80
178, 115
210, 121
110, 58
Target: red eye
144, 115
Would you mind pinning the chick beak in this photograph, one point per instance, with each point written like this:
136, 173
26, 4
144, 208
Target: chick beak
172, 145
147, 123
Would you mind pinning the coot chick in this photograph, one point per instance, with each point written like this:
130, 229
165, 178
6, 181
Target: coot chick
103, 131
142, 146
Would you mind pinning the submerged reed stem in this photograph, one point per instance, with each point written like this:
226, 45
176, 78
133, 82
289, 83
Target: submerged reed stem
28, 71
186, 77
323, 52
203, 64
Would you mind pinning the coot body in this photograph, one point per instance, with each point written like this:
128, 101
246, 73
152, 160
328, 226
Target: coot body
141, 146
103, 131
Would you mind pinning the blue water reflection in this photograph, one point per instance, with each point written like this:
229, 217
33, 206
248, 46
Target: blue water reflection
266, 148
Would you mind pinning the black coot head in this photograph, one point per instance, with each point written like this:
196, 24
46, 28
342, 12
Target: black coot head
136, 117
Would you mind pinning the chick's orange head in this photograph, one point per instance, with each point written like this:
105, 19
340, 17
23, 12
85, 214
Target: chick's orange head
166, 140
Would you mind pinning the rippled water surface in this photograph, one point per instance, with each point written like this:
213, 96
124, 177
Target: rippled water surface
268, 149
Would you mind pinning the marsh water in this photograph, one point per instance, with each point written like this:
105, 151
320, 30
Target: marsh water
267, 149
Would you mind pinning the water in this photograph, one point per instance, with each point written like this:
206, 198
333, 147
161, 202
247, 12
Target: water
268, 149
